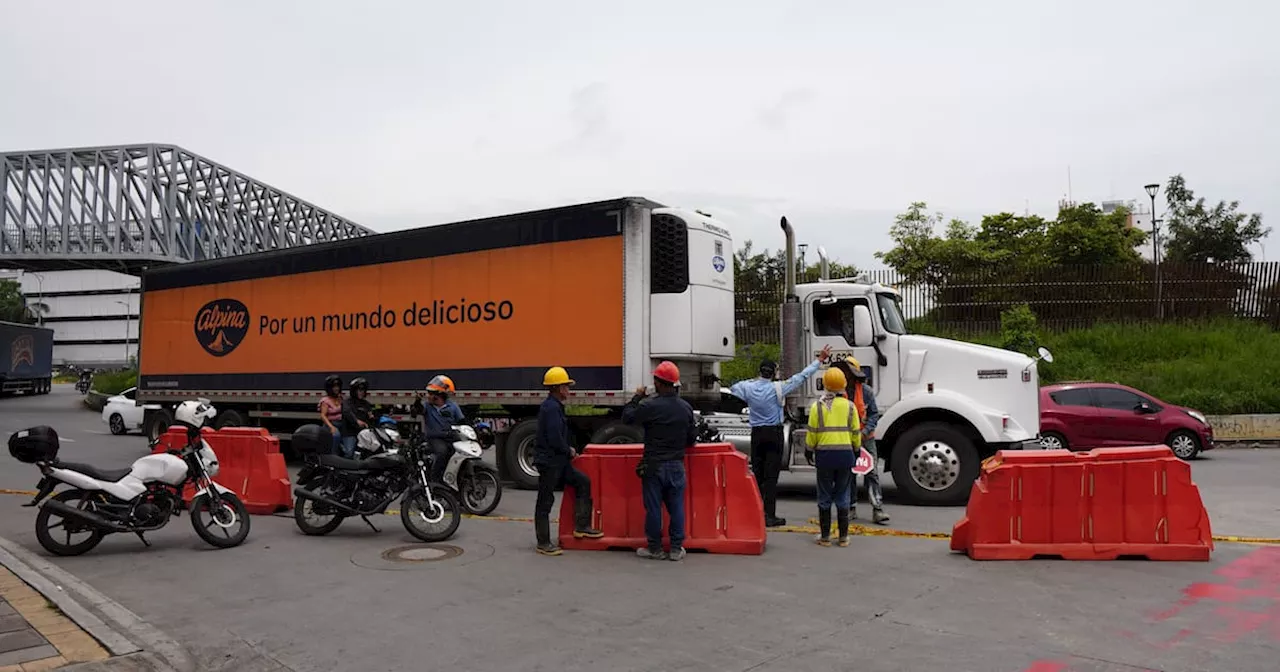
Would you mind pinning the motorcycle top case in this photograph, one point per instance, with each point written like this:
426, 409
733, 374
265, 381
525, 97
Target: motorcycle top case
313, 439
36, 444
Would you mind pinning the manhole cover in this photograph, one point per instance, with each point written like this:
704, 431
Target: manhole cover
421, 553
420, 557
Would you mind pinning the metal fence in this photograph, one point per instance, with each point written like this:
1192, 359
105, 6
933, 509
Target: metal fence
1062, 297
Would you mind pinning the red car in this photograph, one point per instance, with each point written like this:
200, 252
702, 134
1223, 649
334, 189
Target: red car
1082, 416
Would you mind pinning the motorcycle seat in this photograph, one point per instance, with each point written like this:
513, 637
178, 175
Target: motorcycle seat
108, 475
345, 464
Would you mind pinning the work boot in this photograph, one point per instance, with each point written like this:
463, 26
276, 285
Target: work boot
879, 517
651, 553
676, 554
824, 527
582, 510
774, 521
542, 526
842, 523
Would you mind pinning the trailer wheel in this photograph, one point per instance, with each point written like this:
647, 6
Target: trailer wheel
228, 418
618, 432
519, 455
158, 423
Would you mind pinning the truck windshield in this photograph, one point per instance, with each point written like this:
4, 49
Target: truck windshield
891, 314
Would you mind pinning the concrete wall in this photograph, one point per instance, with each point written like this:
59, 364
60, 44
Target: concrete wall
1258, 427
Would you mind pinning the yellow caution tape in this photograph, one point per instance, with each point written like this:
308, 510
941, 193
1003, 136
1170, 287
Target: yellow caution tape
811, 528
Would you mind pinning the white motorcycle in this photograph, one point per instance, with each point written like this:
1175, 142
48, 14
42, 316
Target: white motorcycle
476, 482
138, 499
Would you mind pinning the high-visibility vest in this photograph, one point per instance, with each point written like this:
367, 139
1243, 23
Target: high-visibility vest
837, 428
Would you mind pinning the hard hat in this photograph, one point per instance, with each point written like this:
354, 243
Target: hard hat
441, 384
833, 380
667, 371
853, 368
556, 375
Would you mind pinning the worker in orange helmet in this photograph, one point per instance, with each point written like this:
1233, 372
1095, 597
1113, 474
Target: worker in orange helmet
669, 430
438, 418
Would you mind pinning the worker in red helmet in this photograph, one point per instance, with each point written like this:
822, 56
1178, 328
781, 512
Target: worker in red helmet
669, 430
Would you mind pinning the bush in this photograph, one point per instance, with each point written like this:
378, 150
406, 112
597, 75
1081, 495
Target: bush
114, 382
1220, 368
747, 363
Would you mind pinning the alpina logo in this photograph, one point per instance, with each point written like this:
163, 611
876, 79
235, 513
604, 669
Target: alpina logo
22, 351
221, 325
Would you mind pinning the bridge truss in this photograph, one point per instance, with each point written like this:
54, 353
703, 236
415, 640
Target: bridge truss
127, 207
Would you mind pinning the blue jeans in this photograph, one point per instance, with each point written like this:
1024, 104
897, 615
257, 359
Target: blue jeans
348, 446
664, 484
834, 488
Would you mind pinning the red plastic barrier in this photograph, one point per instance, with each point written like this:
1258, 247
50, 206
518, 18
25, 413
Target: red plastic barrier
723, 509
1097, 505
249, 463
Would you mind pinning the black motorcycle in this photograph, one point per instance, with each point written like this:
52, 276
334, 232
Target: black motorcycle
331, 488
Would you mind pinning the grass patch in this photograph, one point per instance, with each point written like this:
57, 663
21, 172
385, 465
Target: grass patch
1219, 368
114, 382
65, 378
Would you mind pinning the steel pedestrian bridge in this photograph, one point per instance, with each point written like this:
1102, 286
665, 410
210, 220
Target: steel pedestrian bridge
127, 207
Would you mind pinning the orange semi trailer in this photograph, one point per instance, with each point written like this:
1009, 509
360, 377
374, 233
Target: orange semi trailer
604, 289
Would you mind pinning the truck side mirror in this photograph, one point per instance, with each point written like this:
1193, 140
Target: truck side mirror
862, 331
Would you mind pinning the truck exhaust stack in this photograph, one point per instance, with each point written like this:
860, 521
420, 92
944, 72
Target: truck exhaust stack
792, 355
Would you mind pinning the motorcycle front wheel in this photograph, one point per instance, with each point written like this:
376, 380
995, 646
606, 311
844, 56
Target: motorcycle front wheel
482, 490
431, 520
50, 526
223, 525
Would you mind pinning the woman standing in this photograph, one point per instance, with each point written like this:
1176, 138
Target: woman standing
330, 408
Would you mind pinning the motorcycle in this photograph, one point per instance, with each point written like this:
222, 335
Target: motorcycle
139, 499
82, 385
383, 437
476, 483
331, 488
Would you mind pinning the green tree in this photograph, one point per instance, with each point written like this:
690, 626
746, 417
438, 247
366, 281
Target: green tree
1083, 234
923, 257
1199, 233
1010, 237
13, 305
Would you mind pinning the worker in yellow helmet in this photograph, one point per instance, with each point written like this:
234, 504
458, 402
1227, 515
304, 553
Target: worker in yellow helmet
834, 434
552, 456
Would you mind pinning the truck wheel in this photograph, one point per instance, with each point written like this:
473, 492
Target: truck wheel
228, 418
519, 455
158, 423
618, 432
935, 464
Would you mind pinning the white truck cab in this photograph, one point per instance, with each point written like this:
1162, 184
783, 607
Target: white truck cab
944, 405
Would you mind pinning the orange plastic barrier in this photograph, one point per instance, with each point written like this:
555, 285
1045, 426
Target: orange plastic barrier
249, 463
723, 509
1097, 505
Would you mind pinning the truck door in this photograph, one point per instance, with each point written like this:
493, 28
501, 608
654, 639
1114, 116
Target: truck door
888, 385
830, 322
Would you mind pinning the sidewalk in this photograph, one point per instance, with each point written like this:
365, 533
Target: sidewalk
44, 624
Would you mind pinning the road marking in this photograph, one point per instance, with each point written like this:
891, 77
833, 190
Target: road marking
812, 528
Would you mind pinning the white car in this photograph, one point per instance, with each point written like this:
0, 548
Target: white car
122, 413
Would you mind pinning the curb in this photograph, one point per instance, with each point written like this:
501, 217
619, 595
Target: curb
132, 642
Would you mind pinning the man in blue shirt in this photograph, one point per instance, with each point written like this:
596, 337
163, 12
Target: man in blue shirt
553, 457
766, 398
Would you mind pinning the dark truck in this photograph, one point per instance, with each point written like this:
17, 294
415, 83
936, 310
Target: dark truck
26, 359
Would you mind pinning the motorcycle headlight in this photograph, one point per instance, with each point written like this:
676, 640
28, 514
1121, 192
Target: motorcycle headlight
467, 432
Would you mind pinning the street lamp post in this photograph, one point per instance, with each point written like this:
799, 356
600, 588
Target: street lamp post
1152, 190
127, 319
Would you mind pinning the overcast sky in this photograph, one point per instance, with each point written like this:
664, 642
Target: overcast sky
836, 114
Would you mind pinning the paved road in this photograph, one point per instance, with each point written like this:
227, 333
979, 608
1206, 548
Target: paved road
285, 601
